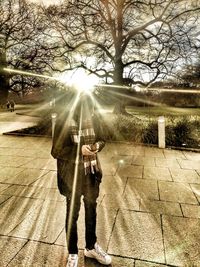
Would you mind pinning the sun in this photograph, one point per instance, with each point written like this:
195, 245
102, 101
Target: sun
80, 80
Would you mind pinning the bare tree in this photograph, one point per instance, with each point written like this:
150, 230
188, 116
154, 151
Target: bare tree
22, 45
133, 42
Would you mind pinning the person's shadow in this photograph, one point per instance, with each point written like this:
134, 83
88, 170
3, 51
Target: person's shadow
92, 263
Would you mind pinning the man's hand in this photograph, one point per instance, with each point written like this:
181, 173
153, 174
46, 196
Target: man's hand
86, 151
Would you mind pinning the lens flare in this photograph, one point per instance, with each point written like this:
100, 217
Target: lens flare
80, 80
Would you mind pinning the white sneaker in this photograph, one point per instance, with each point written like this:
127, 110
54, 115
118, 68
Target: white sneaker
72, 260
99, 254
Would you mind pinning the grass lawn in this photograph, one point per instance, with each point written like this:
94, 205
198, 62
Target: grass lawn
43, 109
163, 111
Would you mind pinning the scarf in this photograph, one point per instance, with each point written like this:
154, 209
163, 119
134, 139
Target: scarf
85, 136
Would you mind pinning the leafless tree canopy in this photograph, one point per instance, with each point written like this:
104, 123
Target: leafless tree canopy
123, 42
132, 41
22, 44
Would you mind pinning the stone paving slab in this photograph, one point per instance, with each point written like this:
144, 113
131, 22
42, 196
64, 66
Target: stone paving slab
48, 180
112, 184
139, 263
137, 235
8, 172
105, 222
109, 168
121, 159
167, 163
124, 149
9, 247
142, 189
13, 161
143, 161
3, 187
154, 152
196, 190
182, 175
176, 192
191, 211
43, 224
45, 153
33, 192
125, 170
157, 173
14, 210
37, 163
39, 255
35, 254
174, 154
181, 240
29, 152
7, 151
189, 164
192, 155
161, 207
121, 202
3, 198
24, 176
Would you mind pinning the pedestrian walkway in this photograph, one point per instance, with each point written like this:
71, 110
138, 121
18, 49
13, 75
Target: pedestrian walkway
148, 208
11, 121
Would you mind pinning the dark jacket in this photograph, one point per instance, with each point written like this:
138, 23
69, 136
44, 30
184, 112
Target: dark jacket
63, 147
65, 151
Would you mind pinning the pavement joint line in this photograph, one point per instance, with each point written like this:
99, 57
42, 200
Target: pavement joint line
5, 200
138, 259
163, 240
59, 235
101, 201
113, 226
17, 253
31, 184
150, 212
124, 190
159, 198
142, 171
198, 201
171, 174
198, 173
181, 209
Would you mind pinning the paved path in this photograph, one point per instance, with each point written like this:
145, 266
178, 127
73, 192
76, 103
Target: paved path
11, 121
148, 208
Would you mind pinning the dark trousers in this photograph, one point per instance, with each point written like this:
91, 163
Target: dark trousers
89, 188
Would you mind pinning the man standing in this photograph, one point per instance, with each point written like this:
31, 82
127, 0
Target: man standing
12, 105
78, 137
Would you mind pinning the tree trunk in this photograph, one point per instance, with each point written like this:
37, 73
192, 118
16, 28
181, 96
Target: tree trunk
4, 87
4, 80
120, 105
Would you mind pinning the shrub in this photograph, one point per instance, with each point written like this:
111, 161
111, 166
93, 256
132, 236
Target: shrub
128, 128
179, 130
182, 131
150, 134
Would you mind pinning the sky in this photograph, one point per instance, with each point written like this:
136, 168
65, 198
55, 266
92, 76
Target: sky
46, 2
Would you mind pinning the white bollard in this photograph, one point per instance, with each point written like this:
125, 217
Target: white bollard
161, 132
53, 119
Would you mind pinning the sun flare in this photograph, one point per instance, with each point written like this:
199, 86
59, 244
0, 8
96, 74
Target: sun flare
80, 79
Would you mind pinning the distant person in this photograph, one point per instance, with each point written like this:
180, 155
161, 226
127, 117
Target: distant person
12, 105
78, 138
8, 105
